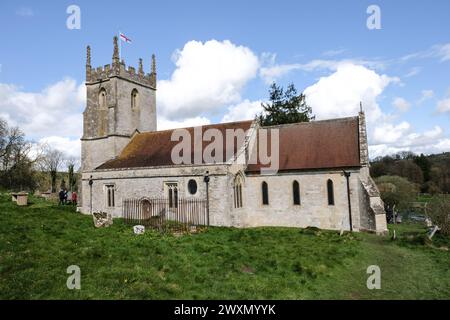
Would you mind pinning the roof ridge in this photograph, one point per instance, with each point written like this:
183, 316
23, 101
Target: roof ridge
311, 122
205, 125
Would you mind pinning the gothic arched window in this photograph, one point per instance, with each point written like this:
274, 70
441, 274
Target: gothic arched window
265, 193
237, 191
296, 192
102, 98
134, 99
330, 191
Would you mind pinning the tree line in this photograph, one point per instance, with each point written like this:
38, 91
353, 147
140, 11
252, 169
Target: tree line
28, 166
431, 174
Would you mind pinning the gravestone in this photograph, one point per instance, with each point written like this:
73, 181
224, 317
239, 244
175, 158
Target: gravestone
139, 229
102, 219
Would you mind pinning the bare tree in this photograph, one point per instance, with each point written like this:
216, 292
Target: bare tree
51, 161
16, 164
10, 140
71, 162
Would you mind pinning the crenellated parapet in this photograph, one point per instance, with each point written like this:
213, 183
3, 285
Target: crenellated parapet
120, 69
106, 72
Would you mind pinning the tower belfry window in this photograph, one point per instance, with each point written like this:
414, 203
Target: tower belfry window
102, 99
134, 99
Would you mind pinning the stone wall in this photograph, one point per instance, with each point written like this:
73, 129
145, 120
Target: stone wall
313, 210
95, 152
150, 183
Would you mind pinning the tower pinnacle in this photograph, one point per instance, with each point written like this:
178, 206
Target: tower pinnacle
88, 56
115, 59
88, 63
153, 64
141, 68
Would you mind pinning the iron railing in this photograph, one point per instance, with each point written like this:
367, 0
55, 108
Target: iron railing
182, 214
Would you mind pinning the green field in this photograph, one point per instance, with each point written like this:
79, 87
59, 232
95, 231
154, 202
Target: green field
39, 242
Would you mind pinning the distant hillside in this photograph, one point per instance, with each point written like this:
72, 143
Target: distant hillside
431, 173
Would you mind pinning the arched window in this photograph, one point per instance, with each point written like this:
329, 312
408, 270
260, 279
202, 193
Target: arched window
134, 99
102, 98
172, 188
237, 191
296, 192
330, 192
265, 193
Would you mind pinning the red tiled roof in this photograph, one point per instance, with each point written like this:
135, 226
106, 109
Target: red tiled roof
150, 149
317, 145
302, 146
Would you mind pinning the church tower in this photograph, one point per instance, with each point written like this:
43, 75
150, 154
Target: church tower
120, 102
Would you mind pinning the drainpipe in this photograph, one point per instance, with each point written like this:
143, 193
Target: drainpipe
206, 180
347, 175
90, 191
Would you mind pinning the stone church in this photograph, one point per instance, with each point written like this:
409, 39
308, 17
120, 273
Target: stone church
322, 179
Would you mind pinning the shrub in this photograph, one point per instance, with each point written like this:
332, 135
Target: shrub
438, 209
397, 191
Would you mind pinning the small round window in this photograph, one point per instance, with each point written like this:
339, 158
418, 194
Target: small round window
192, 186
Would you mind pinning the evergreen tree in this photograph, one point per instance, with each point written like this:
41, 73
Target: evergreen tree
285, 107
425, 165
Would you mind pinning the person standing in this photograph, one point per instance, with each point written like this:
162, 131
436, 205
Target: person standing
61, 197
74, 198
65, 196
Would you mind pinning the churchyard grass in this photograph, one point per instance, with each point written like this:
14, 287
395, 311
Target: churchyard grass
39, 242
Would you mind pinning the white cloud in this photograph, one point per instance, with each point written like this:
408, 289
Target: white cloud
245, 110
164, 123
414, 71
57, 108
70, 147
444, 104
207, 76
401, 104
426, 94
332, 53
271, 71
55, 111
443, 51
339, 94
440, 51
389, 133
402, 138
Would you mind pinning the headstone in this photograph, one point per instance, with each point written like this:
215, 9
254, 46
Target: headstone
21, 198
102, 219
138, 229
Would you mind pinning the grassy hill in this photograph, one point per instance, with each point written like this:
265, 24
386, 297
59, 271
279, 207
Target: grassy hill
39, 242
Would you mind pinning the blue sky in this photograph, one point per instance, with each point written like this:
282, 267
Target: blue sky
400, 72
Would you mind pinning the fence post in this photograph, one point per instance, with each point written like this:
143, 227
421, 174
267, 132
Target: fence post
91, 182
206, 179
